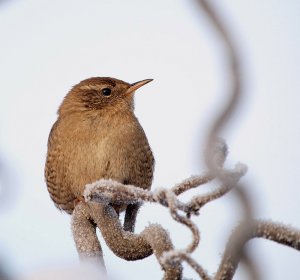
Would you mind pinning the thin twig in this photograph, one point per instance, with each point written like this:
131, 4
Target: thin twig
231, 177
171, 198
180, 255
192, 182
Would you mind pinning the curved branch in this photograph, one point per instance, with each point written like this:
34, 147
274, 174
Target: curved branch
254, 229
130, 246
234, 72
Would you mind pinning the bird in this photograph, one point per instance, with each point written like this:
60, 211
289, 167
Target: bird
97, 136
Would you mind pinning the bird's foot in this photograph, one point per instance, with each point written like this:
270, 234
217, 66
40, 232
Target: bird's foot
77, 200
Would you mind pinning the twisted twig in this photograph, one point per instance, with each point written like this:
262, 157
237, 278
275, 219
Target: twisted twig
171, 198
179, 255
230, 177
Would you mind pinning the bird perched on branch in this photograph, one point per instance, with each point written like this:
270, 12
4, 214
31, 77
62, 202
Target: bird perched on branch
97, 136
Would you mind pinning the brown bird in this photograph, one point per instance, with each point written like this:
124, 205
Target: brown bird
97, 136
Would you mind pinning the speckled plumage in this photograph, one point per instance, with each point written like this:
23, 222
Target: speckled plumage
94, 137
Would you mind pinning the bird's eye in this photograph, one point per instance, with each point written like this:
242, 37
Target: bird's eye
106, 91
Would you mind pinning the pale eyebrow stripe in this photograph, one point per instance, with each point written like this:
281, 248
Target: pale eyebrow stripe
91, 87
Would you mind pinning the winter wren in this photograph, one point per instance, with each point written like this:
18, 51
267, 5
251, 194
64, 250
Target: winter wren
97, 136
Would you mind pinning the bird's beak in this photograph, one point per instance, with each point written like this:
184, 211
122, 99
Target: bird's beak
133, 87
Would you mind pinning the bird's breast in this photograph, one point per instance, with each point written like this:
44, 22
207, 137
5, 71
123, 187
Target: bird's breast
118, 150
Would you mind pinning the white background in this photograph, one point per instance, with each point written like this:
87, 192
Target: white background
48, 46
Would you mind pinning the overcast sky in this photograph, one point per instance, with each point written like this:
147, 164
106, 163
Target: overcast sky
48, 46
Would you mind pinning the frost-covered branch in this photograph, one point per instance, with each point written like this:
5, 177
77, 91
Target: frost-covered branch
230, 177
169, 257
126, 245
84, 233
192, 182
110, 191
279, 233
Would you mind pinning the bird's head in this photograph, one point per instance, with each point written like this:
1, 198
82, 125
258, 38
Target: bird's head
100, 94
